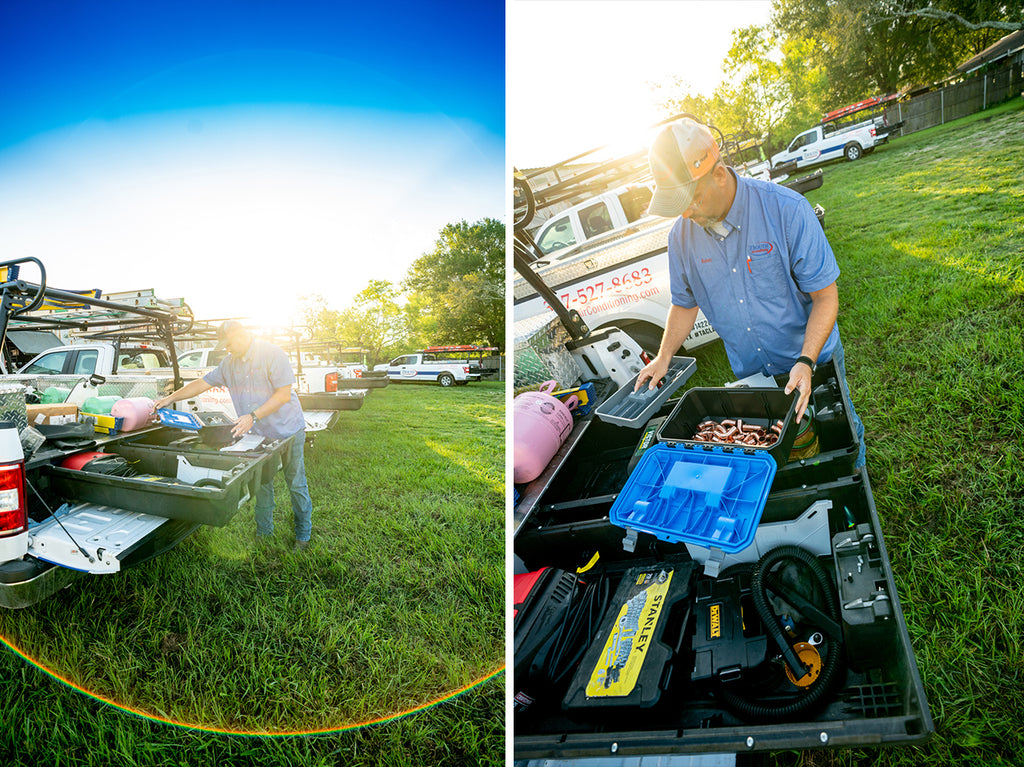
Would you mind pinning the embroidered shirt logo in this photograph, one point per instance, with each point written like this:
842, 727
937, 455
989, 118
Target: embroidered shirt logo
705, 260
761, 248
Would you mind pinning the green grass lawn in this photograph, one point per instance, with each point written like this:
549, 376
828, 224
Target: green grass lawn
929, 234
398, 603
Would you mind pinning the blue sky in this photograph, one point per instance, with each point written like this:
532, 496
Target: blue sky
241, 154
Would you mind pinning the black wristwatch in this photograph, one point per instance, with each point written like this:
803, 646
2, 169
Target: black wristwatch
254, 418
807, 361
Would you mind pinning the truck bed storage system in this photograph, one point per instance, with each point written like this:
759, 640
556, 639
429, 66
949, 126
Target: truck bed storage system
780, 627
139, 495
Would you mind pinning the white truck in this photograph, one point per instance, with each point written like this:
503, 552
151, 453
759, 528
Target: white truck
618, 278
423, 367
827, 142
622, 282
134, 370
597, 218
77, 502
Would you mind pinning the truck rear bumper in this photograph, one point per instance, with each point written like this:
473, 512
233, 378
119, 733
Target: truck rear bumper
24, 582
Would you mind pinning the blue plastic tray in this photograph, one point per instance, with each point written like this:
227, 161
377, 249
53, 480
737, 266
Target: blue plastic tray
707, 497
178, 419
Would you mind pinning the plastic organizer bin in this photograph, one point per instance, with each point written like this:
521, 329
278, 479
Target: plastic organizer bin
756, 407
878, 702
156, 489
214, 428
707, 497
633, 409
809, 531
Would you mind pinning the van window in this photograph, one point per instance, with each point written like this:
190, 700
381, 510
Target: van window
558, 235
141, 360
85, 362
48, 364
801, 141
634, 202
190, 360
595, 219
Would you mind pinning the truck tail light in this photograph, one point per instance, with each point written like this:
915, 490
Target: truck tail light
13, 518
359, 373
331, 382
465, 368
872, 131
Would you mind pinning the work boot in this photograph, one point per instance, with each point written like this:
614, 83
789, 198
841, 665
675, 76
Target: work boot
301, 545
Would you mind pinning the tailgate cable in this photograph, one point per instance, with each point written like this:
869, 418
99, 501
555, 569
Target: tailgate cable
85, 553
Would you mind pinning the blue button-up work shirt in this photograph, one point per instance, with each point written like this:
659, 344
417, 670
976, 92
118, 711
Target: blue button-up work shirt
252, 379
753, 282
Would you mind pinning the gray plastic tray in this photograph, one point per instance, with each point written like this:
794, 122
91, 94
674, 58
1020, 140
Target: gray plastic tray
634, 409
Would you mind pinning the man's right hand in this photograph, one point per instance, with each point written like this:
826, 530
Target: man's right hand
653, 371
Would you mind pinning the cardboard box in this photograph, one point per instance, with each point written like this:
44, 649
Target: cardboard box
51, 415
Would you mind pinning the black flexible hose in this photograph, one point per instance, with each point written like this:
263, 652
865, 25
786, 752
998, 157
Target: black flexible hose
753, 710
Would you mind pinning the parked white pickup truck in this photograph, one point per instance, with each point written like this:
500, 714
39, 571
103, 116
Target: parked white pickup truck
74, 500
426, 368
137, 370
589, 221
621, 283
823, 143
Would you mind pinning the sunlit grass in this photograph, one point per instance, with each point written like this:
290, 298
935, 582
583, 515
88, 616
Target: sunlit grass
929, 234
398, 602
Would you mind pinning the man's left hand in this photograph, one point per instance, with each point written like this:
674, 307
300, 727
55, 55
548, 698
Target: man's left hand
800, 378
242, 426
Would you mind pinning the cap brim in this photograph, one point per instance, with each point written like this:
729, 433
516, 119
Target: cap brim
673, 201
222, 344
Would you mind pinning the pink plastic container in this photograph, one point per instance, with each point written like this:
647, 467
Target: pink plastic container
540, 423
136, 412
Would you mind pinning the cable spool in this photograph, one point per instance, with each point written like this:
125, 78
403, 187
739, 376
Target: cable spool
806, 443
808, 655
820, 678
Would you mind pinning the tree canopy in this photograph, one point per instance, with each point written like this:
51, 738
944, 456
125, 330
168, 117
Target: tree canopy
816, 55
457, 291
455, 294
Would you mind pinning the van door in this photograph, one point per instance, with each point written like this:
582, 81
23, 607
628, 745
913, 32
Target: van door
557, 235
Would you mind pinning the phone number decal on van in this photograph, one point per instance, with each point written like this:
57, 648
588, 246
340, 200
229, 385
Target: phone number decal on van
591, 293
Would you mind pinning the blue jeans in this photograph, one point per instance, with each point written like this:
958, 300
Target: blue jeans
839, 359
294, 465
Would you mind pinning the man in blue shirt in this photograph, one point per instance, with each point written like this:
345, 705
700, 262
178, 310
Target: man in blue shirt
754, 258
259, 378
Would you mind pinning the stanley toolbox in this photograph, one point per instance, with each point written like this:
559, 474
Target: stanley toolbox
779, 629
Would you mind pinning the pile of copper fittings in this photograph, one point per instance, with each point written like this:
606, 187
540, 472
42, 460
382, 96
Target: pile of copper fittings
735, 432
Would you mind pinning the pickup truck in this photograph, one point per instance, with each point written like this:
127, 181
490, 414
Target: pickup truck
621, 282
594, 219
313, 376
422, 367
826, 142
61, 519
74, 502
130, 370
